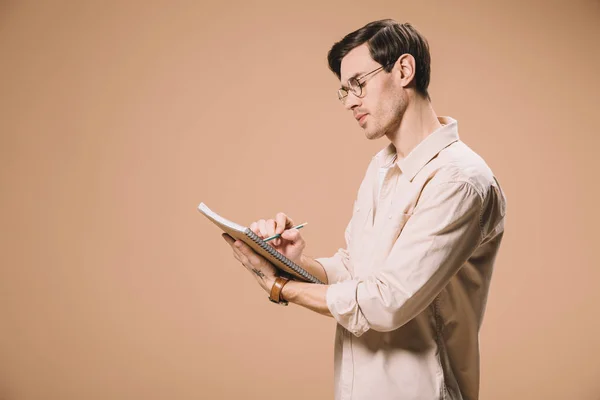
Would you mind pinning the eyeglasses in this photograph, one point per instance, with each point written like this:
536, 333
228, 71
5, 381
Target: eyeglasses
355, 85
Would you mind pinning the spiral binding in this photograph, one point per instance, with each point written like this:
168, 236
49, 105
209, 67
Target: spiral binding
301, 271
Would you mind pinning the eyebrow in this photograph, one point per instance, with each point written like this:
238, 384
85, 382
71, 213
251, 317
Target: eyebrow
356, 75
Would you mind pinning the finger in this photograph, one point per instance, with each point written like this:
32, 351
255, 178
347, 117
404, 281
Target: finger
244, 260
271, 230
236, 245
292, 235
270, 225
262, 227
254, 228
247, 253
236, 252
281, 220
228, 238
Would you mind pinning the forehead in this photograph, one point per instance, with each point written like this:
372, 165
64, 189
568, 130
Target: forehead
357, 61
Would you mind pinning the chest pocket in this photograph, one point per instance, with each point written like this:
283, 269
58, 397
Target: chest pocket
373, 243
396, 224
388, 233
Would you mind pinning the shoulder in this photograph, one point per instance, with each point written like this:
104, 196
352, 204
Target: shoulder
460, 167
458, 163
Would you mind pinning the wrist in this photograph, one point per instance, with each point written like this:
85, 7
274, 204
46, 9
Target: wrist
270, 283
303, 261
285, 294
275, 294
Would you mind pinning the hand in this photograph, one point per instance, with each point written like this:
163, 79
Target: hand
290, 244
264, 272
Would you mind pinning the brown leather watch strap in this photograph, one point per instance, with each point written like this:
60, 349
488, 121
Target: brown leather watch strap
275, 295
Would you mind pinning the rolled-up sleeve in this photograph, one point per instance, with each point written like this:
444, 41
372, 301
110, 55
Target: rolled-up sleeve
436, 241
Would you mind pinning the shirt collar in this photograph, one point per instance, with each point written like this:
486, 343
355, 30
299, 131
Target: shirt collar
424, 152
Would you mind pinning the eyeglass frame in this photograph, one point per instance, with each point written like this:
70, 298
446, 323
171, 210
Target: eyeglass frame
360, 84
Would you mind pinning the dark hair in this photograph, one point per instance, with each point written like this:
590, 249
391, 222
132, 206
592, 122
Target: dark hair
387, 41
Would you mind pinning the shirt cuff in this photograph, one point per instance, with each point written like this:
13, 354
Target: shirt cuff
335, 269
342, 303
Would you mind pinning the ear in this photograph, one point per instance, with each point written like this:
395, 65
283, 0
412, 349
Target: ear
405, 69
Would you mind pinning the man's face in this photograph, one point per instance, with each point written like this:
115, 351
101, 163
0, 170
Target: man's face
380, 107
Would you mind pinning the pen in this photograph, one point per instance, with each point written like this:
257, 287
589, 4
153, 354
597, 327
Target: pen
279, 235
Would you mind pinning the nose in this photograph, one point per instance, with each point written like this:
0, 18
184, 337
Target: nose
352, 101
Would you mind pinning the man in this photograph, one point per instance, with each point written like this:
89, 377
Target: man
409, 290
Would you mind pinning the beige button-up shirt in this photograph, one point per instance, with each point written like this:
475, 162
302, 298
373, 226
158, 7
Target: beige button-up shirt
410, 288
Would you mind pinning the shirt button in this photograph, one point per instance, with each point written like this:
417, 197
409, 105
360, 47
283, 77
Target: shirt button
390, 217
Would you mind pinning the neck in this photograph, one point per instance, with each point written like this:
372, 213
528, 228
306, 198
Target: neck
418, 122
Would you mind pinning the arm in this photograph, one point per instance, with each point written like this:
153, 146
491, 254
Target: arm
314, 268
307, 295
436, 241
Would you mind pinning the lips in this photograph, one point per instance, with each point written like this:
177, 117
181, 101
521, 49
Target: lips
360, 117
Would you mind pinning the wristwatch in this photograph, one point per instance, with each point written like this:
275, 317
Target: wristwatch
275, 295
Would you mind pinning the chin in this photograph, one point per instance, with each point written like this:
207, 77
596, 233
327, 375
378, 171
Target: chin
370, 136
373, 134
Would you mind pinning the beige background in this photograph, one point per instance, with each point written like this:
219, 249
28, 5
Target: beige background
118, 118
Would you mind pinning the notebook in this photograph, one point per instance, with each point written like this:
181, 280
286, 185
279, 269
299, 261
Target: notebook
260, 246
